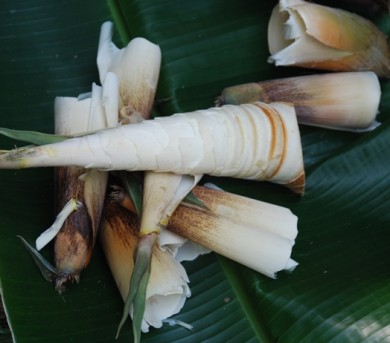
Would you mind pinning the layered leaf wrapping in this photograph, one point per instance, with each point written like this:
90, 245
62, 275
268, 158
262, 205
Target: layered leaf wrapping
309, 35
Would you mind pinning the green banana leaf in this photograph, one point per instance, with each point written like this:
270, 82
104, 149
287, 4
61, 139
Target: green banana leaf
340, 290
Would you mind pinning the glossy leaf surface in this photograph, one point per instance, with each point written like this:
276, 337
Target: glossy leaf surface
338, 293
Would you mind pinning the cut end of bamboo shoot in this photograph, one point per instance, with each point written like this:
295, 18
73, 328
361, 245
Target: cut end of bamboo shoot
314, 36
256, 234
137, 67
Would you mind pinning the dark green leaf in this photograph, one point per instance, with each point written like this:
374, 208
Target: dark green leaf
338, 293
5, 336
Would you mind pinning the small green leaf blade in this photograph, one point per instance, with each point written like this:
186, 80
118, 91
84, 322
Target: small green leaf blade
33, 137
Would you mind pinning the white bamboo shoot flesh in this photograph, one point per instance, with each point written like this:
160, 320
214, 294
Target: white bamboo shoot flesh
254, 233
252, 141
301, 33
137, 67
167, 289
342, 101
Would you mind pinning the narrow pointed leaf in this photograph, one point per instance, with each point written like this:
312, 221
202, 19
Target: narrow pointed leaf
47, 270
138, 283
139, 305
33, 137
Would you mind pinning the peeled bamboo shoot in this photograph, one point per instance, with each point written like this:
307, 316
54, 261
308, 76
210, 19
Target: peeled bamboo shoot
252, 141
